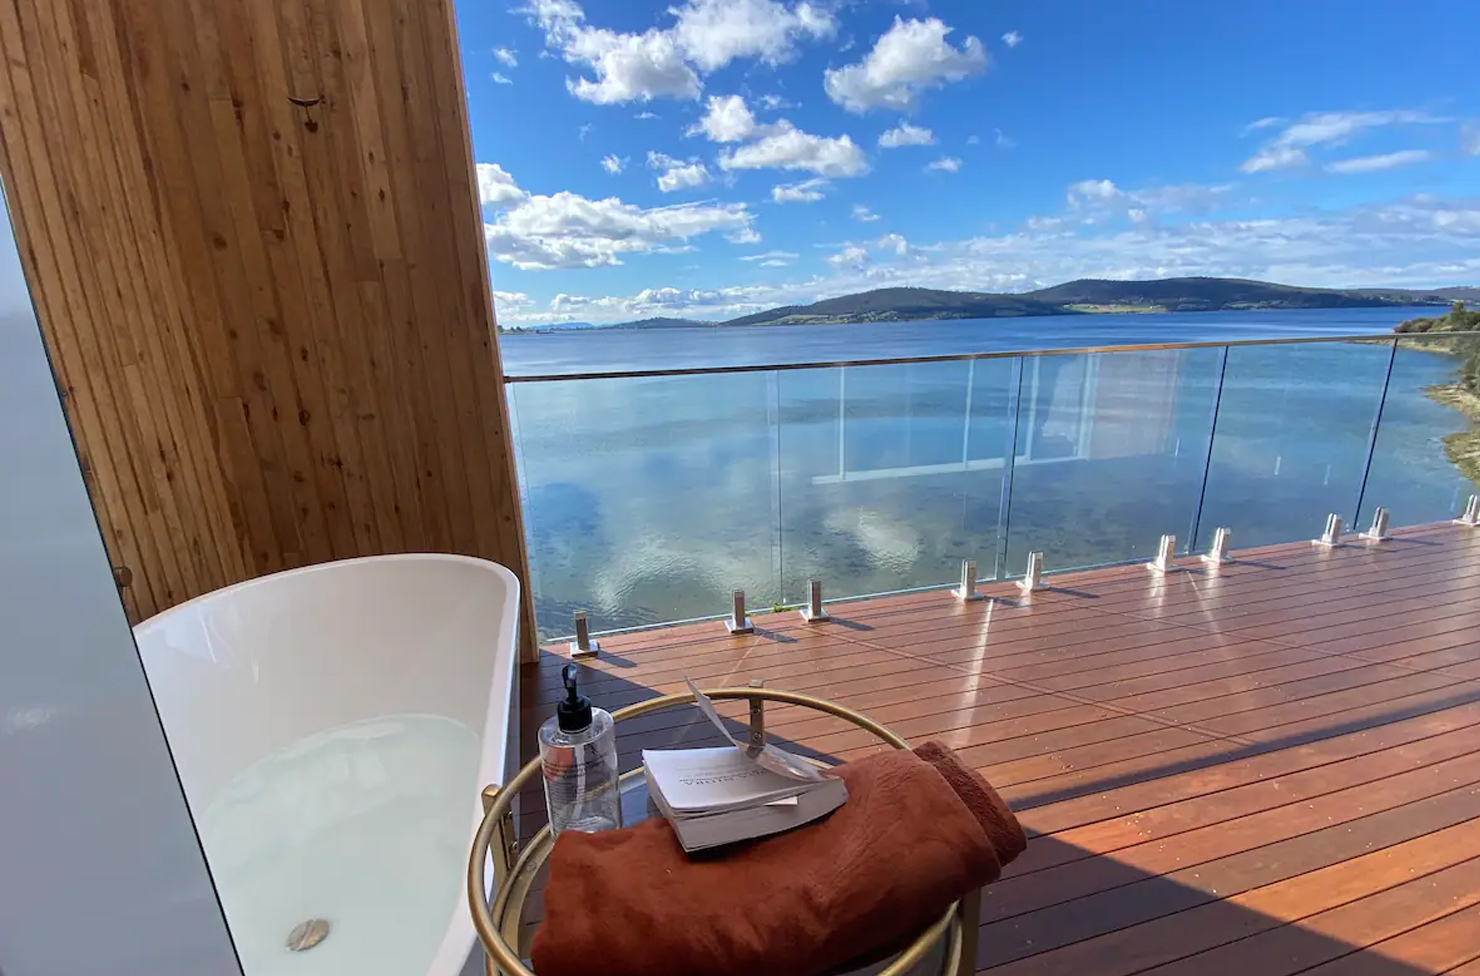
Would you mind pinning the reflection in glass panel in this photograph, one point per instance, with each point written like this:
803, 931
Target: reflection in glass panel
1426, 461
1112, 448
891, 474
1294, 428
647, 499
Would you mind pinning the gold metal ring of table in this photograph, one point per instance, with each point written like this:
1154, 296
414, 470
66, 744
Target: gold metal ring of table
946, 948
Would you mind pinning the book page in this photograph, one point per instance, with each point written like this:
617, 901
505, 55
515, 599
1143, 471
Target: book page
769, 757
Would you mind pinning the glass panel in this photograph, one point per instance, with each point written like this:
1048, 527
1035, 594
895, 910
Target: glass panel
891, 475
1426, 461
648, 500
1294, 428
1112, 448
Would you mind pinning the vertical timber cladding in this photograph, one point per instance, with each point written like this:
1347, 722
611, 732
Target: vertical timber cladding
252, 232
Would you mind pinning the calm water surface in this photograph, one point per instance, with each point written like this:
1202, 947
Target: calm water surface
650, 499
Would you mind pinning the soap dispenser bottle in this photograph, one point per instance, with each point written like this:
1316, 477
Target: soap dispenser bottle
578, 752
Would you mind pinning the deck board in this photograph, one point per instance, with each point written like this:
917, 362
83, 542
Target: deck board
1272, 766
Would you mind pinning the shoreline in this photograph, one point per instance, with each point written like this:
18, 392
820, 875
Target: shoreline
1463, 447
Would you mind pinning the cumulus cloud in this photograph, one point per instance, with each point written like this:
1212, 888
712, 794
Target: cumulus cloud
778, 145
1375, 164
1417, 241
775, 102
1012, 38
712, 33
728, 119
863, 214
910, 58
507, 57
613, 164
567, 230
678, 174
808, 191
667, 63
628, 67
499, 78
785, 147
895, 243
1288, 148
945, 164
496, 186
905, 134
852, 256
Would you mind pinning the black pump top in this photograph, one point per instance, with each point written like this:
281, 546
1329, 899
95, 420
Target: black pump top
574, 713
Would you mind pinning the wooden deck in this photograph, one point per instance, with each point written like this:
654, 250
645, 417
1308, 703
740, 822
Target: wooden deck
1273, 767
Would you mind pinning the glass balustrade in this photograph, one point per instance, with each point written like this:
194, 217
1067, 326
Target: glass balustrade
649, 499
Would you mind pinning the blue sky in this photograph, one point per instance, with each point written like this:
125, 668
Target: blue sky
707, 158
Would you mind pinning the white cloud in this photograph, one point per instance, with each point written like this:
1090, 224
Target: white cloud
728, 119
499, 78
852, 256
667, 63
863, 214
644, 116
911, 57
1012, 38
905, 134
496, 186
1274, 157
1092, 191
1004, 141
1287, 149
945, 164
746, 235
567, 230
511, 300
786, 147
808, 191
628, 67
1469, 139
1102, 197
507, 57
712, 33
895, 243
1268, 122
613, 164
1419, 241
1374, 164
775, 102
773, 259
678, 174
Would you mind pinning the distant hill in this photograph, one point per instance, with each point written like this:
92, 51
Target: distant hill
662, 322
902, 305
1087, 295
1218, 294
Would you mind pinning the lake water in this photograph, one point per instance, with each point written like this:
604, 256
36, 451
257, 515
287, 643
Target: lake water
649, 499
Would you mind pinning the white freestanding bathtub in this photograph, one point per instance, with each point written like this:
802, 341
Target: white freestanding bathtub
333, 727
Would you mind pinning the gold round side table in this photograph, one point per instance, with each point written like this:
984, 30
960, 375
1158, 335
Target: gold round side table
946, 948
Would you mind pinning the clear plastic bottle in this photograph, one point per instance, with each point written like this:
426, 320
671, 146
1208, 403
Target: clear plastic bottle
578, 751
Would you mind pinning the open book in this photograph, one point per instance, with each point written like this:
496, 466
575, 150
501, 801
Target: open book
720, 796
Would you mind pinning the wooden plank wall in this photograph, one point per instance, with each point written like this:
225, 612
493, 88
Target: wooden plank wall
252, 233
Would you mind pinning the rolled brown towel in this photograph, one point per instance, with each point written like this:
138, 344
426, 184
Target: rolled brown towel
919, 831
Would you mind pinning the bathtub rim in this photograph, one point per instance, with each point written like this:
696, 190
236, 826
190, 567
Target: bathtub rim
497, 737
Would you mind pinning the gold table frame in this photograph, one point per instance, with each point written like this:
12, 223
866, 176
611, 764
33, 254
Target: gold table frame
514, 870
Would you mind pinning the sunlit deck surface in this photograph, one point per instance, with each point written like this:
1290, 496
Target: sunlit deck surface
1272, 767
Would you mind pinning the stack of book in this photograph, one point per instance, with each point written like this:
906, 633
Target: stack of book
714, 797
